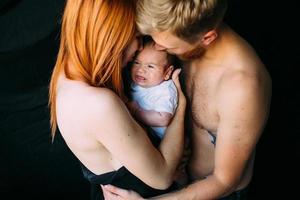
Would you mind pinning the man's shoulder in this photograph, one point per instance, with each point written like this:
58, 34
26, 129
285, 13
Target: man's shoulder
243, 68
239, 79
244, 86
243, 75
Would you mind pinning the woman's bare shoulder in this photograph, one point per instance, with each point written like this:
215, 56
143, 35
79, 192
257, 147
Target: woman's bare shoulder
78, 91
82, 100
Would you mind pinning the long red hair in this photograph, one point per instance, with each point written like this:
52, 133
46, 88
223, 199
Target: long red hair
94, 35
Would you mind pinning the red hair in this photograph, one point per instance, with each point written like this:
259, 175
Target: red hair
94, 36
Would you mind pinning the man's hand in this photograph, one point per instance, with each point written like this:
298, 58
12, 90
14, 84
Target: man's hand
114, 193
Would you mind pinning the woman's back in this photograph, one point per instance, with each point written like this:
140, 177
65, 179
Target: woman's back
77, 106
77, 103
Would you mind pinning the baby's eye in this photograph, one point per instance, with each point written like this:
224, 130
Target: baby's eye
136, 62
151, 66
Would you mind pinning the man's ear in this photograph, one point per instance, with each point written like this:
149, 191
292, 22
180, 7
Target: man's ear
209, 37
168, 72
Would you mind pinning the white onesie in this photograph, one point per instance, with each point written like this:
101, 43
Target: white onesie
160, 98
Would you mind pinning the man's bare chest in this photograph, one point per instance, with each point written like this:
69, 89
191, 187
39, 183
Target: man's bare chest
202, 101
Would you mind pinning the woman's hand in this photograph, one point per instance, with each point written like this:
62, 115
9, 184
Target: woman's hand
181, 97
111, 192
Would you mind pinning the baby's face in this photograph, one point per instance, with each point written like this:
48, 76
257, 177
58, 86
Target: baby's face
149, 68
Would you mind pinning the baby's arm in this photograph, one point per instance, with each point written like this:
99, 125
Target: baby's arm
150, 117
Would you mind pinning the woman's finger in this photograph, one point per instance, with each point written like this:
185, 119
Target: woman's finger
115, 190
115, 193
175, 78
109, 195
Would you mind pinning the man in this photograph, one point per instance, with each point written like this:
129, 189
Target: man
229, 92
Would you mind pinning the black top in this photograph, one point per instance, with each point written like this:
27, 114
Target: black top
121, 178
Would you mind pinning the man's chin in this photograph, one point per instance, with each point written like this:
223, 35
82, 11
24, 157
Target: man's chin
193, 54
184, 58
189, 57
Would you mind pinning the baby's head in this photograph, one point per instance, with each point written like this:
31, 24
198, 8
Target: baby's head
151, 67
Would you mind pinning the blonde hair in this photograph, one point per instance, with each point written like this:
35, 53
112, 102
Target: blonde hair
185, 18
94, 36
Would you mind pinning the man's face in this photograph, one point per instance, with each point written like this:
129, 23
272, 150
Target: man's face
174, 45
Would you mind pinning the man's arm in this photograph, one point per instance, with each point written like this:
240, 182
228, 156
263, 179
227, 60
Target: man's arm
243, 105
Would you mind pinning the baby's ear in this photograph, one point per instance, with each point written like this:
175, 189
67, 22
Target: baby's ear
168, 72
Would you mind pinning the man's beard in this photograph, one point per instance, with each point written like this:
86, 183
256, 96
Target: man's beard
195, 53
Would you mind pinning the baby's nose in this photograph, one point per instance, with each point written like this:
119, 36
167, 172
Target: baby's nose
143, 69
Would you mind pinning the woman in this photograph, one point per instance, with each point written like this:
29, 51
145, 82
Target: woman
87, 102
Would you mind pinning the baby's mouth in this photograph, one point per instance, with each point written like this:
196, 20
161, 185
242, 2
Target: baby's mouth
139, 78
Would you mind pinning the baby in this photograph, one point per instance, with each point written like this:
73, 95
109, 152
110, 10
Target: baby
154, 93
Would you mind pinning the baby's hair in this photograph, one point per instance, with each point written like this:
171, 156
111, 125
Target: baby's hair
171, 59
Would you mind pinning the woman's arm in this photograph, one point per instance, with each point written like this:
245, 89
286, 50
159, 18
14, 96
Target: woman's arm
114, 127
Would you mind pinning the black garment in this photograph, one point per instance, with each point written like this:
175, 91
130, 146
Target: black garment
121, 178
31, 166
237, 195
213, 138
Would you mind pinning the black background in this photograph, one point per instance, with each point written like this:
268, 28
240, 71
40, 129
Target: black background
271, 28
